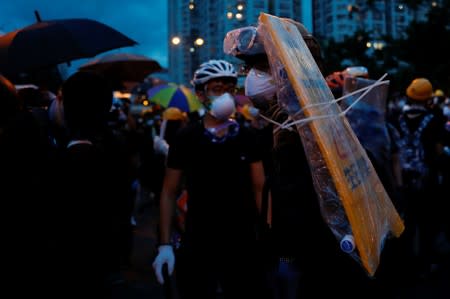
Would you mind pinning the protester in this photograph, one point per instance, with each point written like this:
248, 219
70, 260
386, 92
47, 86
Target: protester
92, 236
421, 140
301, 249
24, 164
220, 163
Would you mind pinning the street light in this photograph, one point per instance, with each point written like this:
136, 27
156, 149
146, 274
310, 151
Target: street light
176, 40
185, 51
236, 11
199, 41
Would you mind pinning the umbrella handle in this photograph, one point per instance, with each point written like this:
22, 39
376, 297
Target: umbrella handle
162, 129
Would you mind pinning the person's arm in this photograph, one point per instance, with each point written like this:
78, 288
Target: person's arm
172, 180
257, 173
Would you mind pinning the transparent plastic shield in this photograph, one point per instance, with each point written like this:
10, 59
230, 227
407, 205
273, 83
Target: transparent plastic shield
368, 116
353, 201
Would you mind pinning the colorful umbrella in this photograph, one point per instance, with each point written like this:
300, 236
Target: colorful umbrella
173, 95
151, 81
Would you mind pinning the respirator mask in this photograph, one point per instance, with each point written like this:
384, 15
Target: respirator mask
222, 107
261, 88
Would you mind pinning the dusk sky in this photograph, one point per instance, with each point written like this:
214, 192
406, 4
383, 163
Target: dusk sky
144, 21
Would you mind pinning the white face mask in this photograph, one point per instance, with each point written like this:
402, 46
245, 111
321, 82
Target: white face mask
259, 84
223, 106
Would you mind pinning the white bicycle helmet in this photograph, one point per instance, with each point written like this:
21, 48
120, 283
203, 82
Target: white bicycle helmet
213, 69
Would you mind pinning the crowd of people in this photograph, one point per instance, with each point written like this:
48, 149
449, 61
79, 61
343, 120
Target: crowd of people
252, 225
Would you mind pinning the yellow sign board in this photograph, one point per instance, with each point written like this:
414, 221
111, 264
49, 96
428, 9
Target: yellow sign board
368, 208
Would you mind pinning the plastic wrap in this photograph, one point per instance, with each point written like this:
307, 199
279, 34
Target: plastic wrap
353, 201
368, 116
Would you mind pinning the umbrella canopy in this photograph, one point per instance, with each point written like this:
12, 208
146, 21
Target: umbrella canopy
48, 43
173, 95
149, 82
123, 66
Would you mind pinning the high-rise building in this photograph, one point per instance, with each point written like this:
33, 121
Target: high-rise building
197, 28
340, 18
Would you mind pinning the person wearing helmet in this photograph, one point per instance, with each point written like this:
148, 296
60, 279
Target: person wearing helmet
421, 139
220, 163
438, 103
215, 84
291, 204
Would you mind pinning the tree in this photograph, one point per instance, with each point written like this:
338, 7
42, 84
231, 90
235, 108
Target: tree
423, 53
351, 51
426, 47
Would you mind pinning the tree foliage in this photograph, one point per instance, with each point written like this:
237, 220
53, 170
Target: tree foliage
423, 53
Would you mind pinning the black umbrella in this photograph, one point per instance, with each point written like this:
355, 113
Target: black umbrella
119, 67
48, 43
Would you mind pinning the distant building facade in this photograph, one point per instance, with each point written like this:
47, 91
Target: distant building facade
197, 27
340, 18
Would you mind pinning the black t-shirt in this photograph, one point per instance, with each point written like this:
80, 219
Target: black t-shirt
298, 228
221, 203
94, 212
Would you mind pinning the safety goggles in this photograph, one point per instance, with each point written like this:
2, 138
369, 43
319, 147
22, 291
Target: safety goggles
242, 41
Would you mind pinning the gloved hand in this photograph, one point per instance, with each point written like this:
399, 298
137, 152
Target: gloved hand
160, 145
165, 256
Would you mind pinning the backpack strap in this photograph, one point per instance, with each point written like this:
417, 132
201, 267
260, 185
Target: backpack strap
417, 134
424, 123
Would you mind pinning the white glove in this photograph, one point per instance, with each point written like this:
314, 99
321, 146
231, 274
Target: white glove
165, 256
160, 145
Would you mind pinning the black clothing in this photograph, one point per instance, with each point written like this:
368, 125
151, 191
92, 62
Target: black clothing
24, 190
299, 237
218, 183
296, 215
423, 206
92, 224
219, 238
